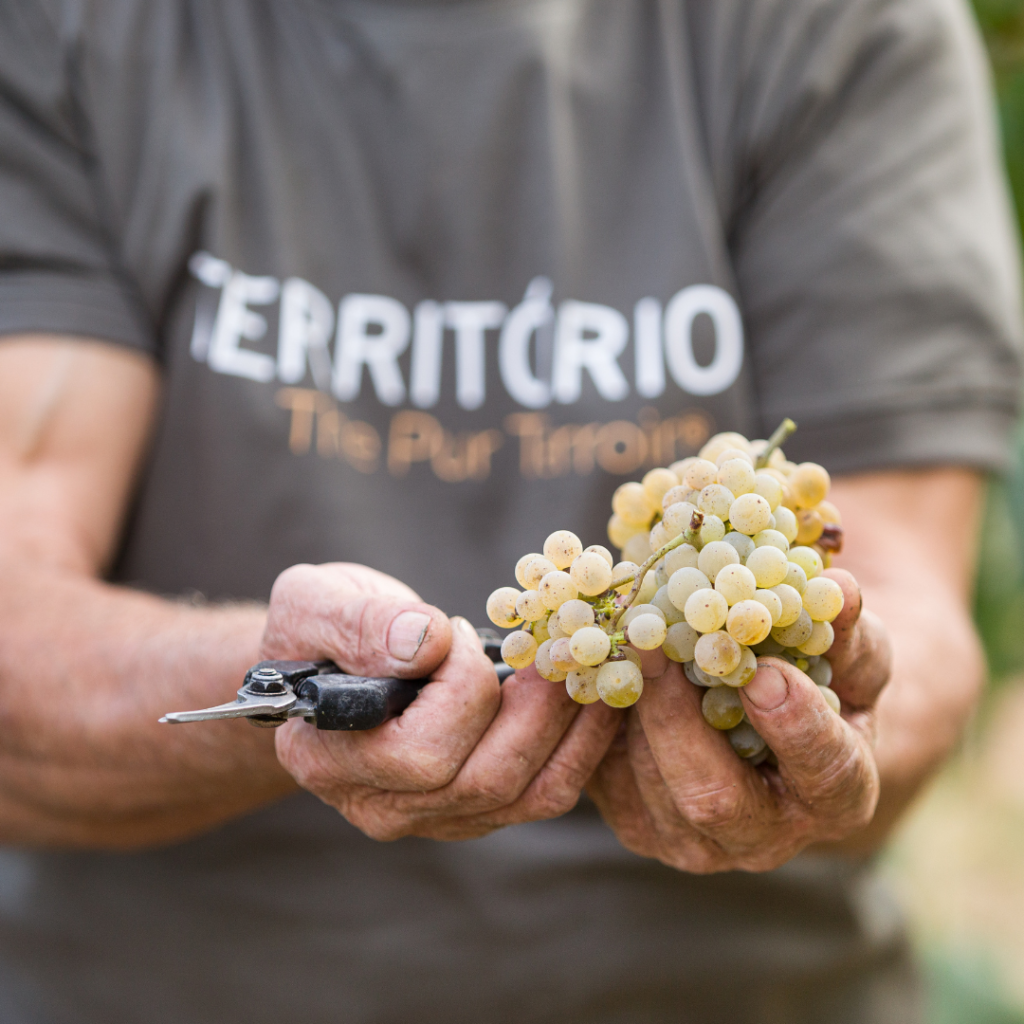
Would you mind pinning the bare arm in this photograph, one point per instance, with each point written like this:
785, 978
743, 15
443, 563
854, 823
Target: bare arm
911, 543
87, 668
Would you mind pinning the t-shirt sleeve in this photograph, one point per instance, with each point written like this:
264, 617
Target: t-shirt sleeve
874, 244
58, 263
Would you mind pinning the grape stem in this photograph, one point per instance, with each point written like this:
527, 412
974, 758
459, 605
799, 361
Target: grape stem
688, 536
783, 432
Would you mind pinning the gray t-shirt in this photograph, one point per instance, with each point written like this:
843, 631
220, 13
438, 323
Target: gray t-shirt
426, 280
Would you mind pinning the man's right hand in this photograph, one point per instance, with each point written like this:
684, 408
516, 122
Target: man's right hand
467, 756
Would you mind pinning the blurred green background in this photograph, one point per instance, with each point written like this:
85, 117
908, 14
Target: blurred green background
958, 860
1000, 593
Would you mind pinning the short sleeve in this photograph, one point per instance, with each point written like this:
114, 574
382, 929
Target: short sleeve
874, 245
58, 266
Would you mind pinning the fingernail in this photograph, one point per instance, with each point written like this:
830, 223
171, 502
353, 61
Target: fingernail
466, 627
768, 690
406, 635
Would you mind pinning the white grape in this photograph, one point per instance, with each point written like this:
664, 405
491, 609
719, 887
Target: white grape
749, 622
769, 488
575, 615
555, 630
820, 640
772, 538
546, 668
792, 605
647, 632
660, 575
633, 656
591, 573
809, 484
530, 607
744, 672
749, 514
590, 646
821, 672
716, 500
769, 566
786, 524
743, 544
796, 577
810, 526
661, 534
501, 607
796, 633
540, 631
620, 683
664, 604
677, 517
735, 452
631, 503
535, 570
521, 569
518, 649
620, 531
683, 557
581, 685
598, 549
648, 588
621, 570
561, 654
556, 588
722, 708
715, 557
674, 496
680, 640
700, 474
706, 610
745, 740
722, 442
698, 677
769, 648
637, 549
680, 467
808, 559
772, 602
823, 599
712, 529
737, 475
563, 547
657, 482
717, 653
831, 699
640, 609
735, 583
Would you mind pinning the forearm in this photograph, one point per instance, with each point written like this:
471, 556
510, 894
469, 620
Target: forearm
921, 593
86, 669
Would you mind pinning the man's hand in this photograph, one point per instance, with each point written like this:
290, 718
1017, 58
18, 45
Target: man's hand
467, 756
673, 788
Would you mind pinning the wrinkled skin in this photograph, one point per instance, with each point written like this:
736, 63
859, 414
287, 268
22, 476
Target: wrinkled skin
467, 756
672, 788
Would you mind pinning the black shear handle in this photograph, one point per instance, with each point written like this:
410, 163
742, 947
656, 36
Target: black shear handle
343, 702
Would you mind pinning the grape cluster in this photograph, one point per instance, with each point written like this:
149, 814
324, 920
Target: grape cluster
722, 560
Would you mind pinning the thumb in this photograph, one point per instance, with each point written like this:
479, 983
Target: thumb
316, 612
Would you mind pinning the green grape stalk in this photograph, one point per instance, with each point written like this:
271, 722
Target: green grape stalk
722, 556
